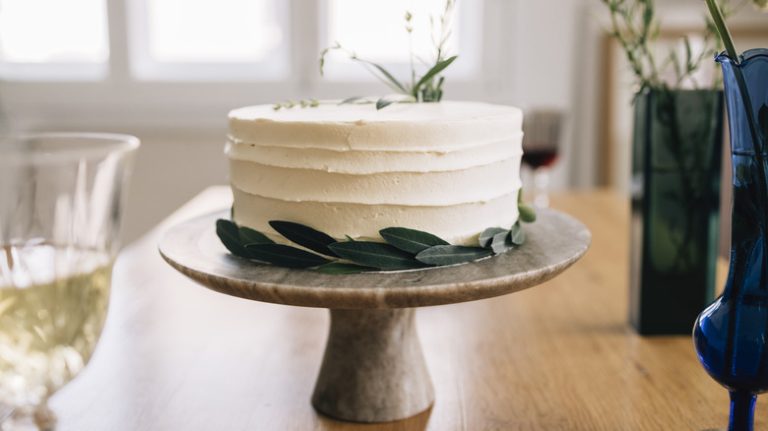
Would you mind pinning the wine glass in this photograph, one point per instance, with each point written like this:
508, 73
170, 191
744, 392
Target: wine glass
61, 200
540, 149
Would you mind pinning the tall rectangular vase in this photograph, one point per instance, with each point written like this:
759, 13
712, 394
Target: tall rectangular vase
676, 162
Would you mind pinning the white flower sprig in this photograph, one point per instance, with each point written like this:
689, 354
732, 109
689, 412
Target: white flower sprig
428, 87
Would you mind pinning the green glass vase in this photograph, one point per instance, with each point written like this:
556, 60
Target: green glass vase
676, 163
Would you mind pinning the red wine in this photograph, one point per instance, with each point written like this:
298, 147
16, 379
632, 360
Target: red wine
537, 158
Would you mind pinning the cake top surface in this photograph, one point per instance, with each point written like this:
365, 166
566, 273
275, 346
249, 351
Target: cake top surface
441, 127
367, 113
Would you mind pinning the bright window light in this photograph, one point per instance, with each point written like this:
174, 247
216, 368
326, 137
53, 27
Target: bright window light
53, 31
204, 31
375, 29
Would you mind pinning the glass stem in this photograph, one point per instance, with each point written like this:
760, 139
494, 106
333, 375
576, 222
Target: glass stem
742, 411
541, 187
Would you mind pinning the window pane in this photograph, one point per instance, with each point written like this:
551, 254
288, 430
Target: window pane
213, 30
60, 31
375, 29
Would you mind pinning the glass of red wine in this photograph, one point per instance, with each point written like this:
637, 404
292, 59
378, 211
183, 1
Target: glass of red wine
540, 149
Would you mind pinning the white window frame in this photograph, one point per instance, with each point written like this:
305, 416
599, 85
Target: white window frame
145, 68
119, 100
58, 71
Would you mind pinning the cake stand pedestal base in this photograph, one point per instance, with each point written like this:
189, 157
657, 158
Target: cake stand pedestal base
373, 369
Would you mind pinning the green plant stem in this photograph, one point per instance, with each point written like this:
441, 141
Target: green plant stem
722, 29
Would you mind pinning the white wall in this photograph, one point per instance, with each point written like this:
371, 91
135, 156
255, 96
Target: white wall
170, 169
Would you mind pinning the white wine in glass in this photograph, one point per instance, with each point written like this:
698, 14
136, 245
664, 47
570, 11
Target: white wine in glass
60, 206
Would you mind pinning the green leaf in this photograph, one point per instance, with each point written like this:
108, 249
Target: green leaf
250, 236
228, 233
305, 236
431, 73
387, 76
343, 268
285, 255
383, 103
762, 119
501, 242
517, 235
487, 236
375, 254
353, 100
451, 254
675, 60
527, 214
648, 15
410, 240
389, 99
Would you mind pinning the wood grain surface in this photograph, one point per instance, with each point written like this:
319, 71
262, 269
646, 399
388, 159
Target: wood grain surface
559, 357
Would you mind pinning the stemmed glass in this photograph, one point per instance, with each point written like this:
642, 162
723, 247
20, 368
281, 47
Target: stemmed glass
540, 149
61, 200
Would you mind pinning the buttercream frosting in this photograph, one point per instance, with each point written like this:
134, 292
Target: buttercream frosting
449, 168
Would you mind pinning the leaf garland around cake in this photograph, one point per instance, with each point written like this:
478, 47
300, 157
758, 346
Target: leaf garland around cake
401, 249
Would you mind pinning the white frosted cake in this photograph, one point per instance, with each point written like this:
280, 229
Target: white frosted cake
449, 168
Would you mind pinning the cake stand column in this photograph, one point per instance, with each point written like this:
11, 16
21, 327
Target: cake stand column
373, 369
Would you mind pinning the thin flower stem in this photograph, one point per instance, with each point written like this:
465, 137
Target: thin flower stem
722, 29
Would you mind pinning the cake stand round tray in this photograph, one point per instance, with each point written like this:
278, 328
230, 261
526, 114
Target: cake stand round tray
373, 369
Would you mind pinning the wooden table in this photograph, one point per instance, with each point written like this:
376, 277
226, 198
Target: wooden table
175, 356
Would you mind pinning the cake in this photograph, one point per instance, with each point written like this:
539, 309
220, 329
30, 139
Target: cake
349, 170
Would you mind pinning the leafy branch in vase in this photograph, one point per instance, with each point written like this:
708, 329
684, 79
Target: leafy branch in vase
425, 88
636, 27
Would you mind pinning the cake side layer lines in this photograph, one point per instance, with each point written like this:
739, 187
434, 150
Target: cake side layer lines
368, 162
458, 224
416, 127
444, 188
389, 145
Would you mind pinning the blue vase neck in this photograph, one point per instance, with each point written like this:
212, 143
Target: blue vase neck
746, 93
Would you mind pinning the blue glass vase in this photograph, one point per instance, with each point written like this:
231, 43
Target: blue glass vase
730, 335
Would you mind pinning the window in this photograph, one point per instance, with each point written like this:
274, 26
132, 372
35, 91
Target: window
185, 63
209, 39
53, 39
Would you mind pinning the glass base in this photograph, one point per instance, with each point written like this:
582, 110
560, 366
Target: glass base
41, 418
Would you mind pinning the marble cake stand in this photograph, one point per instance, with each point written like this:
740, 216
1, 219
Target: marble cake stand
373, 369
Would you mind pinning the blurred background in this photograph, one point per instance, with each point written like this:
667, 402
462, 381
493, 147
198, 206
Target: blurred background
168, 71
